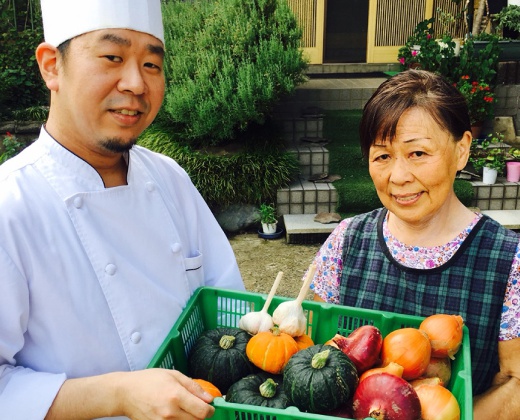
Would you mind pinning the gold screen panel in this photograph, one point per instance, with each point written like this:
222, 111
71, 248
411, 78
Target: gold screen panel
306, 12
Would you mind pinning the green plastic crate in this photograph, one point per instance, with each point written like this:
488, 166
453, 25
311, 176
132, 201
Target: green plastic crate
211, 308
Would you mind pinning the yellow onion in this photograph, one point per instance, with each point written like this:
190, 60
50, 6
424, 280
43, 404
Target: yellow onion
392, 368
445, 334
439, 367
437, 403
408, 347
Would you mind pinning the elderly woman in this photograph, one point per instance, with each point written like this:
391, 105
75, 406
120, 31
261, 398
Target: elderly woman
424, 252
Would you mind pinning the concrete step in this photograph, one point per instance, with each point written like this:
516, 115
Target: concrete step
507, 218
328, 94
302, 229
352, 68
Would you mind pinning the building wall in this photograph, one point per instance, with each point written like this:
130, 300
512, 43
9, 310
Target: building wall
507, 92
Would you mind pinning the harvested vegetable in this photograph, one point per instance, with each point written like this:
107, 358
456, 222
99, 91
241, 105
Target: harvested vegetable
289, 316
303, 341
261, 389
408, 347
219, 356
362, 346
208, 387
437, 403
386, 397
426, 381
439, 367
255, 322
392, 368
271, 350
445, 334
319, 378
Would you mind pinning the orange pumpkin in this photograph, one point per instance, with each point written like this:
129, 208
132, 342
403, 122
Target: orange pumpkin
271, 350
209, 387
304, 341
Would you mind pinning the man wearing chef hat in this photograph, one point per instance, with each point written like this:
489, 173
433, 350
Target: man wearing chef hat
101, 242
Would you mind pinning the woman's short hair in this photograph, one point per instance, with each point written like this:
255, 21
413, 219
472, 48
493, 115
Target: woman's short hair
413, 89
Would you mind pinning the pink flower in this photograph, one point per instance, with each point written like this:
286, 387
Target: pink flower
414, 53
401, 60
428, 36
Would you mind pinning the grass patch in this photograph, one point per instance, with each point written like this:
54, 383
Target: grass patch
356, 191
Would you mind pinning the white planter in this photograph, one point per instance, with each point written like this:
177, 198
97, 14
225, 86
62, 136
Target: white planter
489, 176
269, 228
456, 50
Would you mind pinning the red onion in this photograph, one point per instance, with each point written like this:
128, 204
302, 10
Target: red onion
386, 397
362, 346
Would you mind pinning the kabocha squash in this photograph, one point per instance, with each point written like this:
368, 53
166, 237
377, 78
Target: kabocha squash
209, 387
261, 389
303, 341
319, 378
219, 356
270, 350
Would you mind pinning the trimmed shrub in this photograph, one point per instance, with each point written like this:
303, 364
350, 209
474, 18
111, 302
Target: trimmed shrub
227, 64
248, 172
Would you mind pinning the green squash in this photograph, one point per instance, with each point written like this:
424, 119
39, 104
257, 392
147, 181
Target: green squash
261, 389
219, 356
319, 378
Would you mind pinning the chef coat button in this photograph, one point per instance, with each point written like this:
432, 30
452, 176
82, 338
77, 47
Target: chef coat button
150, 186
110, 269
135, 337
78, 202
176, 247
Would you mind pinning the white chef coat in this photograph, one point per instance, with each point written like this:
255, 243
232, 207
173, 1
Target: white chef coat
92, 279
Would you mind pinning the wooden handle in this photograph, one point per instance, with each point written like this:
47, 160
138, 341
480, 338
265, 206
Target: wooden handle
273, 291
306, 283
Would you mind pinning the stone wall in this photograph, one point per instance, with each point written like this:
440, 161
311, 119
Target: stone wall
27, 131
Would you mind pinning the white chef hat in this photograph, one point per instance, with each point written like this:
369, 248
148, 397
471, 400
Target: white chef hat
65, 19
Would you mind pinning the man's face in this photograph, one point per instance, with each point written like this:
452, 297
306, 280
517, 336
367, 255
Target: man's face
110, 88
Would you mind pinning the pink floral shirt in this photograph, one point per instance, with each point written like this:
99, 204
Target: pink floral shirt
329, 267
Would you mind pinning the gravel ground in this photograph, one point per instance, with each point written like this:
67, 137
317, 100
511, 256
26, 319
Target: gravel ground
260, 260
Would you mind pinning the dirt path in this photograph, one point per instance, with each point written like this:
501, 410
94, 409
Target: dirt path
260, 260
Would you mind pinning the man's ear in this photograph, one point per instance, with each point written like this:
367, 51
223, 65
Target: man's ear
46, 56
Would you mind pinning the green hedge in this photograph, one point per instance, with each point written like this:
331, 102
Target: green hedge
21, 85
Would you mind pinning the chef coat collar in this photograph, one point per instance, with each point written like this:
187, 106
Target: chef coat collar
83, 171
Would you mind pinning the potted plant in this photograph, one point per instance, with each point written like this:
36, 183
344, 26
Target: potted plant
513, 165
453, 25
490, 156
508, 21
480, 99
267, 216
423, 51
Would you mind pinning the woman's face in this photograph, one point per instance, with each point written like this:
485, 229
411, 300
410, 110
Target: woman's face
414, 174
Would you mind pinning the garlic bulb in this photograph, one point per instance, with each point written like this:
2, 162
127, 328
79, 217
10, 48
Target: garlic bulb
289, 316
255, 322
